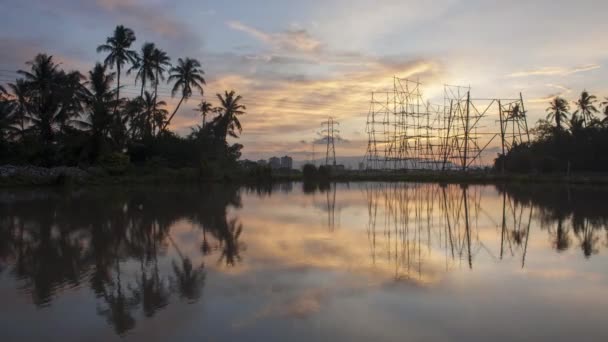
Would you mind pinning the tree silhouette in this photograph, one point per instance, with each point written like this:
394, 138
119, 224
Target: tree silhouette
161, 63
54, 95
558, 111
227, 123
585, 107
186, 75
605, 105
117, 46
204, 108
98, 107
144, 66
19, 90
7, 116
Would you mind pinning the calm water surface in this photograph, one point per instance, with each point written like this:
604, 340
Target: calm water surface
358, 262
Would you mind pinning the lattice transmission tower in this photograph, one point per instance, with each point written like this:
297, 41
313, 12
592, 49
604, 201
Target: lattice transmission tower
331, 133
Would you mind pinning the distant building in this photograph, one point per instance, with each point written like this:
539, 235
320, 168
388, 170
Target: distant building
286, 162
275, 163
262, 162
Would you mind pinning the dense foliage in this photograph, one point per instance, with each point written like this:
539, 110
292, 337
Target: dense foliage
565, 142
50, 116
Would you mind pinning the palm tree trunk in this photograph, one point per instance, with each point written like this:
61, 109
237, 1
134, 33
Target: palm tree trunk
117, 87
172, 115
143, 85
155, 100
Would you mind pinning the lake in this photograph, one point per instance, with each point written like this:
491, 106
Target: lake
305, 262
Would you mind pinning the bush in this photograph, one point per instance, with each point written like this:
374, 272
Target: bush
309, 172
324, 172
115, 163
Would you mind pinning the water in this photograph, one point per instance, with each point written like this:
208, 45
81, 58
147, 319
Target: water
358, 262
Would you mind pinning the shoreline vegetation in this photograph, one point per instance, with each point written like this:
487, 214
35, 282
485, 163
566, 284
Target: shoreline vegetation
28, 176
62, 127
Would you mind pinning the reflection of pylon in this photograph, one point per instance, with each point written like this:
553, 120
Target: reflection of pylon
330, 135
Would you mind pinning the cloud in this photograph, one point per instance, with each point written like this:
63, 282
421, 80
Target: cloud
295, 40
151, 18
555, 71
563, 91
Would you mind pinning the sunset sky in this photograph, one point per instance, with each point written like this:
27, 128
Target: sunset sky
297, 62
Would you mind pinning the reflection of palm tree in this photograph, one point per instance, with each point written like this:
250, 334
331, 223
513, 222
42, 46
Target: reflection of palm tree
152, 292
119, 307
230, 242
562, 236
586, 235
188, 281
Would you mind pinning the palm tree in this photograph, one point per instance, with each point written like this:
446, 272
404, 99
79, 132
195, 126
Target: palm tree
558, 111
119, 54
7, 116
99, 103
54, 95
160, 64
204, 108
186, 75
19, 90
154, 112
144, 66
585, 107
605, 105
228, 122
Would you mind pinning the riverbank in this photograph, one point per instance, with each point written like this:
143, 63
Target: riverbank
18, 176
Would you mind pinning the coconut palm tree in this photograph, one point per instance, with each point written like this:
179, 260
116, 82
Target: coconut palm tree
54, 95
558, 111
7, 116
585, 107
98, 107
204, 108
19, 90
605, 112
160, 64
228, 122
117, 46
186, 75
154, 112
144, 66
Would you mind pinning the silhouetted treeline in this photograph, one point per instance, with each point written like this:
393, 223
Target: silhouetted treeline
54, 116
565, 142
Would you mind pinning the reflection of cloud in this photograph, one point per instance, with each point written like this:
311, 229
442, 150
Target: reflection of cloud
302, 306
555, 71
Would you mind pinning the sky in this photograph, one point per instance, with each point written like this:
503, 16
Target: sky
296, 63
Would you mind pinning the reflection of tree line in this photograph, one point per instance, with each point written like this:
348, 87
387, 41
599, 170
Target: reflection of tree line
57, 242
568, 213
407, 221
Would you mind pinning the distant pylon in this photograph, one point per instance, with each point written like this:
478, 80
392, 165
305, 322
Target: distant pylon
330, 133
